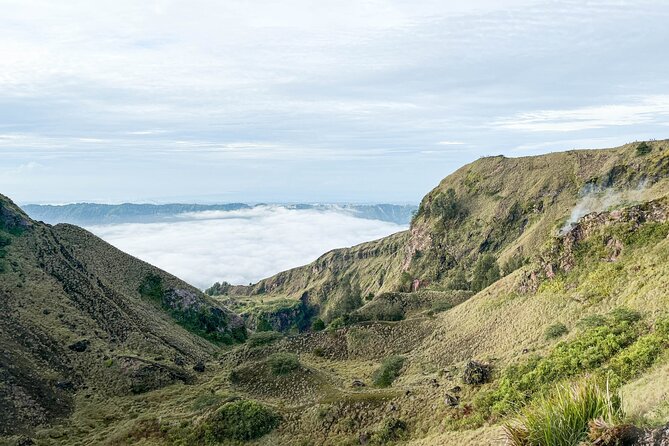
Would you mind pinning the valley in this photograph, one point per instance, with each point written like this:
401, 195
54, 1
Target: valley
519, 282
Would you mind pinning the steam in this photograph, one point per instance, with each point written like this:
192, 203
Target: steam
596, 198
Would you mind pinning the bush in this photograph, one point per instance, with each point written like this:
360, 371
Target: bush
486, 272
388, 371
241, 420
264, 325
392, 429
338, 322
590, 350
643, 149
555, 331
263, 338
318, 325
447, 206
283, 363
562, 419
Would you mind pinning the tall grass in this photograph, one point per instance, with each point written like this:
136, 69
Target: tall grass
563, 417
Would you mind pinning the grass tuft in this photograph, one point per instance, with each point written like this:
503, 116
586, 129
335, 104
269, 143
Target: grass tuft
563, 417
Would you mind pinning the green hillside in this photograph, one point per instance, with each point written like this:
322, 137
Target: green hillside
79, 320
526, 305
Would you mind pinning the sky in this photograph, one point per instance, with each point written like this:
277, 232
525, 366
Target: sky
302, 101
243, 246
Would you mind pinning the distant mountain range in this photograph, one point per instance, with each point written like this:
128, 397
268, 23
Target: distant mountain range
94, 214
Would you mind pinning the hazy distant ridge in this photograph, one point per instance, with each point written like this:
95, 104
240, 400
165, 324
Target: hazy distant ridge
92, 213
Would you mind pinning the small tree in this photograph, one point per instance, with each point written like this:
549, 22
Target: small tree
318, 325
486, 272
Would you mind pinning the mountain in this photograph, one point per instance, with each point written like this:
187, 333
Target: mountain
526, 305
506, 208
97, 214
81, 317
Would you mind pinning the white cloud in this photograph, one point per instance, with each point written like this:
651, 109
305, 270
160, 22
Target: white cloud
241, 246
644, 110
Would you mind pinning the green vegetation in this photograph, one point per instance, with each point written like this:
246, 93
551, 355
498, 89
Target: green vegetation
263, 338
204, 320
241, 420
590, 350
392, 429
643, 149
388, 371
563, 417
218, 289
318, 325
556, 331
447, 206
486, 272
283, 363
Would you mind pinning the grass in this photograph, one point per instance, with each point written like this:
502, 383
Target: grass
283, 363
388, 371
556, 331
241, 420
563, 417
263, 338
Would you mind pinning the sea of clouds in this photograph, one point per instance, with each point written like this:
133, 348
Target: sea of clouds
241, 246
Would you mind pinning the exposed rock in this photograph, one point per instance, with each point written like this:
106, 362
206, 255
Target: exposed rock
451, 401
357, 383
456, 389
476, 373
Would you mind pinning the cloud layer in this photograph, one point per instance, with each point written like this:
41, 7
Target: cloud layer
353, 100
241, 246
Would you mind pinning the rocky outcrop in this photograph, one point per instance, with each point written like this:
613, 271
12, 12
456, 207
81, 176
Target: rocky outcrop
561, 256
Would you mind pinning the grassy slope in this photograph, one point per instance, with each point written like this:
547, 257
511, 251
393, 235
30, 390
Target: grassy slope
61, 285
511, 207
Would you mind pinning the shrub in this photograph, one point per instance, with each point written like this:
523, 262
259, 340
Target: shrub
622, 314
388, 371
476, 373
318, 325
264, 325
555, 331
589, 351
458, 281
486, 272
338, 322
632, 361
392, 429
513, 264
643, 149
447, 206
283, 363
263, 338
562, 419
241, 420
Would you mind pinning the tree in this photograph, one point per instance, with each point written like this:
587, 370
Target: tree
486, 272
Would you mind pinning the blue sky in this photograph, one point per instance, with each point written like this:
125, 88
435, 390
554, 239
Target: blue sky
366, 101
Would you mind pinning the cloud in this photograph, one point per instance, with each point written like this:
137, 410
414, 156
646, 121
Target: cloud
241, 246
644, 110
